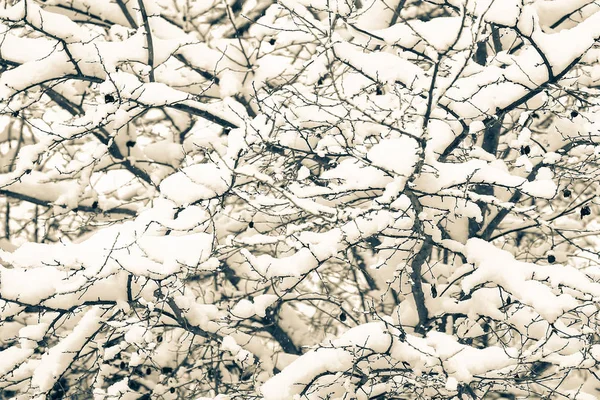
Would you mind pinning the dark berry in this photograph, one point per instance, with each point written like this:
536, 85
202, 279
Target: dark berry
551, 259
159, 339
109, 98
585, 210
574, 114
373, 241
148, 371
251, 224
95, 204
172, 390
133, 385
434, 291
166, 370
272, 41
566, 193
122, 365
15, 114
379, 91
130, 143
525, 150
343, 317
402, 337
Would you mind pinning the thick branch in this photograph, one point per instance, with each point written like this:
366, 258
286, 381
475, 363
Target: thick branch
126, 13
204, 114
417, 283
148, 38
34, 200
417, 264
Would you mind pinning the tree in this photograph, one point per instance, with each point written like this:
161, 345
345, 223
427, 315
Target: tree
301, 199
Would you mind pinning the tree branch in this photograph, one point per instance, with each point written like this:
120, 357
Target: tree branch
34, 200
148, 38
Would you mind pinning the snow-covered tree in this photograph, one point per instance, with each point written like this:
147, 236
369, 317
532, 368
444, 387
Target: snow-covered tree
299, 199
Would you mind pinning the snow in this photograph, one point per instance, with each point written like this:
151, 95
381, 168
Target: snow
58, 359
12, 357
138, 334
505, 12
196, 313
524, 280
35, 275
370, 335
284, 385
243, 309
354, 175
461, 362
577, 40
187, 250
479, 171
262, 302
396, 155
269, 267
323, 245
196, 182
165, 152
382, 67
440, 136
275, 188
549, 12
29, 285
374, 14
418, 34
31, 334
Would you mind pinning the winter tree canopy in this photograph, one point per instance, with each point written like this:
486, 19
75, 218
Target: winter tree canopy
299, 199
